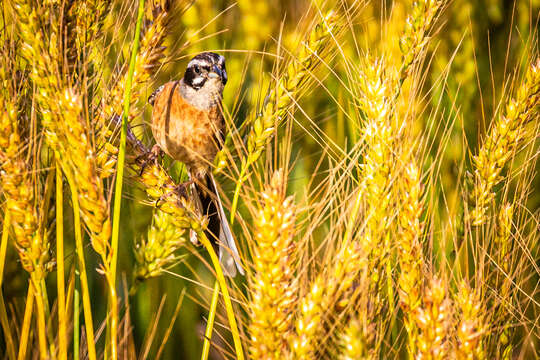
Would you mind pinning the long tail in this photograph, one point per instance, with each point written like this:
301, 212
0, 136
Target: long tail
219, 230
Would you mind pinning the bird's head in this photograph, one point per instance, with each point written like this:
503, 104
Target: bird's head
206, 70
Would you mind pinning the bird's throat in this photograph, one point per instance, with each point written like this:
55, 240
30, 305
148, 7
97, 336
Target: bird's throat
205, 98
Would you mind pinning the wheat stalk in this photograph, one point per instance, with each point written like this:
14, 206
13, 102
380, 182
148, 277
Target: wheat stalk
65, 132
20, 192
376, 88
18, 187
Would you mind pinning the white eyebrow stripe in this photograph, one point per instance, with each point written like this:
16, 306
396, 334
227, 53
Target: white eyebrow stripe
199, 62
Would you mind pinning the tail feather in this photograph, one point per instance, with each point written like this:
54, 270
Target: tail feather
219, 230
228, 253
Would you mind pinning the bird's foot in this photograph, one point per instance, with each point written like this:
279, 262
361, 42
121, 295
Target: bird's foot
181, 189
154, 156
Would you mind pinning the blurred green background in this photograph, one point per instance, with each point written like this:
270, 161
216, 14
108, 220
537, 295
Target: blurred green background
475, 49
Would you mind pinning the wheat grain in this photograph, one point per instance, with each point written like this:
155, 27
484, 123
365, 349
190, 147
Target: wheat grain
376, 93
162, 190
86, 20
333, 291
18, 186
416, 34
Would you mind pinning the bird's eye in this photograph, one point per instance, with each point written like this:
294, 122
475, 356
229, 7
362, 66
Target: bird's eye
197, 69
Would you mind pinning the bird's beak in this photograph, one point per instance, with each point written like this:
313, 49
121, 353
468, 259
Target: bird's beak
218, 73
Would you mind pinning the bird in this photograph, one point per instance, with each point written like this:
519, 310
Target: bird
188, 125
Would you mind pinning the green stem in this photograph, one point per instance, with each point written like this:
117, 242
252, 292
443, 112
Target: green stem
76, 311
3, 244
3, 313
215, 294
119, 183
60, 282
210, 323
239, 184
25, 332
8, 338
35, 283
87, 308
226, 296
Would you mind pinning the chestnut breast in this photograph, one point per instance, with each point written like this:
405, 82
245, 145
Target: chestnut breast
184, 132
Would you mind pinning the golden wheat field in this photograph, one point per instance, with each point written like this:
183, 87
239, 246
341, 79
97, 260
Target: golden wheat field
378, 167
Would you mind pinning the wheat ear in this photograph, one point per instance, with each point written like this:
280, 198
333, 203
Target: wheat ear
273, 282
18, 188
157, 252
506, 135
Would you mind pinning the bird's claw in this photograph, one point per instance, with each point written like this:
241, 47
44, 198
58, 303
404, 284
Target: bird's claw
154, 155
181, 189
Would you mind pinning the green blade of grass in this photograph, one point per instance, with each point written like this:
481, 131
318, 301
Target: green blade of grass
113, 306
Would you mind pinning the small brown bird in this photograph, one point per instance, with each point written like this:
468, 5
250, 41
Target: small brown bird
187, 124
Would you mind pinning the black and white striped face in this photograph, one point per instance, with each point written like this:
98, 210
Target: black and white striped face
205, 68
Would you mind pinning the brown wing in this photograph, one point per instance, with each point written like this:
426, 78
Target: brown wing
161, 99
152, 97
